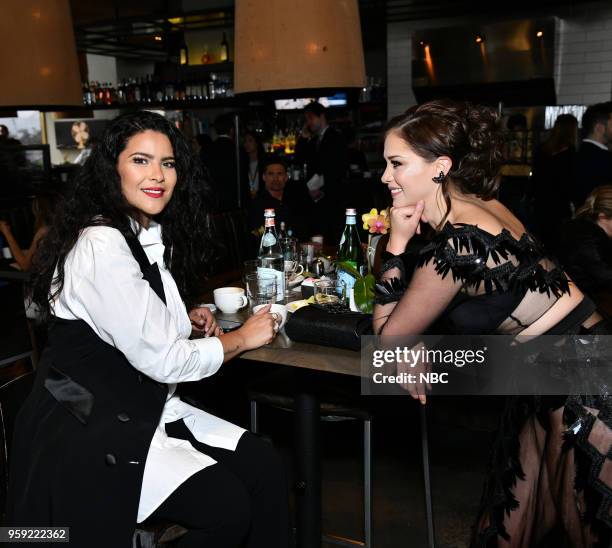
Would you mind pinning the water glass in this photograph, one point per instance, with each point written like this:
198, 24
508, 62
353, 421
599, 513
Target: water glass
329, 292
306, 254
249, 267
261, 289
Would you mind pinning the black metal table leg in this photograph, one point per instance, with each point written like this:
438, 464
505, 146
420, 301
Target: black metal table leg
308, 470
431, 537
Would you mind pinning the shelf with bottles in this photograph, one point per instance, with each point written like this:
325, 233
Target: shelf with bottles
193, 87
226, 102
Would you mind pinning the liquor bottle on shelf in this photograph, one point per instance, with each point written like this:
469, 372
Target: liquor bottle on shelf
137, 90
99, 93
212, 86
224, 50
270, 255
108, 94
349, 249
158, 90
87, 95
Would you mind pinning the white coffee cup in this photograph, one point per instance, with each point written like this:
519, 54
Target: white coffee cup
230, 299
279, 309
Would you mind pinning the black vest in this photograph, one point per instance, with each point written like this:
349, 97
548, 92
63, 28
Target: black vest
82, 437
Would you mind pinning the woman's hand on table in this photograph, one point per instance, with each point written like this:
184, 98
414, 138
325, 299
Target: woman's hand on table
404, 225
259, 329
203, 322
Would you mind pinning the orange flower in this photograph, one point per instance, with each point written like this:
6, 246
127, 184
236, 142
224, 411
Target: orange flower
376, 223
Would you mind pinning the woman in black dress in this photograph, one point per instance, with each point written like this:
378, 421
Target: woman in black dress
484, 274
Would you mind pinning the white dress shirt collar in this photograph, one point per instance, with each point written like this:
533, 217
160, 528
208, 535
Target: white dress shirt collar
147, 236
597, 144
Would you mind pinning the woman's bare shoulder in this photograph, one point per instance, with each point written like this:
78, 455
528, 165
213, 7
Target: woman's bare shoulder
492, 219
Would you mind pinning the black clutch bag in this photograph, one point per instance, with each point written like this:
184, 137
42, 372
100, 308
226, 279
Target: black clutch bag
317, 325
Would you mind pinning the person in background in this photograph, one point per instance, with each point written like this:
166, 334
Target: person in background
252, 166
553, 176
585, 245
222, 165
104, 442
594, 159
484, 274
11, 156
323, 149
43, 208
290, 200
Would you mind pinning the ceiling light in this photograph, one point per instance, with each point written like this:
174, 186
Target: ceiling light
539, 34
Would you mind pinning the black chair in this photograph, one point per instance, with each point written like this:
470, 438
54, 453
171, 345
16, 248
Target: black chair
12, 395
278, 390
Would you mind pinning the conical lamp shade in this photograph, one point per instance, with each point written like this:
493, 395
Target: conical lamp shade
297, 44
38, 54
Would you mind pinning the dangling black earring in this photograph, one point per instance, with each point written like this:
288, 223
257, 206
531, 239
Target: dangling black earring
439, 178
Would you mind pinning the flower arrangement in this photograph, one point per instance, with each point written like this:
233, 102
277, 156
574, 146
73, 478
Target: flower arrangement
363, 290
376, 223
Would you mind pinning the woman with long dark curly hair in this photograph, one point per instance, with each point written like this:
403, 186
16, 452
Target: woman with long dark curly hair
550, 480
103, 442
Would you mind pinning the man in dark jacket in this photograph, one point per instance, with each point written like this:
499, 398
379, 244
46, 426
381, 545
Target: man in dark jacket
324, 151
594, 159
289, 199
221, 158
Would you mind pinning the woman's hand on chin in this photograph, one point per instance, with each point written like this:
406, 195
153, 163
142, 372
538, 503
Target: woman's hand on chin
404, 225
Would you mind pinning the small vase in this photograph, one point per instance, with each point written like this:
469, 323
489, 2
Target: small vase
372, 243
352, 304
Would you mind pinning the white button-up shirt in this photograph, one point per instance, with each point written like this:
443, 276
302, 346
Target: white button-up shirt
103, 286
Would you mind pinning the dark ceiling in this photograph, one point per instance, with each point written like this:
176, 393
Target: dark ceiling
127, 28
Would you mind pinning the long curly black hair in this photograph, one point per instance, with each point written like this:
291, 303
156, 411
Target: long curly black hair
96, 199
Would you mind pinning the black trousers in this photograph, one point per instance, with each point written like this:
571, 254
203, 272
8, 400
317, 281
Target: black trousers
241, 501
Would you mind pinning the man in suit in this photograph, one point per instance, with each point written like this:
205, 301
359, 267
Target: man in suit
221, 159
323, 149
594, 159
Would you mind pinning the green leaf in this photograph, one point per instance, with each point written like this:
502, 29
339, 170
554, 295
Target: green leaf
364, 293
347, 267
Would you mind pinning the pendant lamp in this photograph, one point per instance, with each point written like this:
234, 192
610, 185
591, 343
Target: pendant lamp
297, 44
38, 57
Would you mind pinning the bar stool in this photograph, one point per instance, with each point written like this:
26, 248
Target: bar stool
275, 391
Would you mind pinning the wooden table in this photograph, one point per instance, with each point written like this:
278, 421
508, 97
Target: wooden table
284, 351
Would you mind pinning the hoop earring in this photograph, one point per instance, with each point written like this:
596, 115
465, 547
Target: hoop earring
439, 179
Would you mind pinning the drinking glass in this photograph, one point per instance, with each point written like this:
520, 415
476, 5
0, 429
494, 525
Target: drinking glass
291, 258
306, 255
261, 289
249, 267
329, 292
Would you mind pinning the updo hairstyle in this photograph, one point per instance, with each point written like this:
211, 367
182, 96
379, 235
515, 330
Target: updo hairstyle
471, 136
